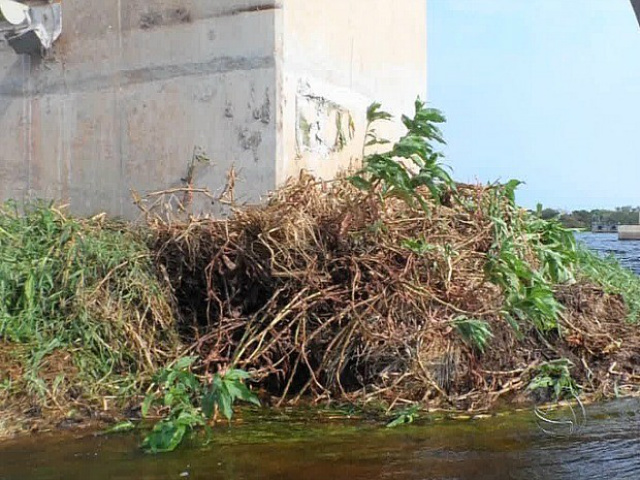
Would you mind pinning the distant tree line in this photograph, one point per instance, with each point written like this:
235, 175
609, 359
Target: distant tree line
583, 218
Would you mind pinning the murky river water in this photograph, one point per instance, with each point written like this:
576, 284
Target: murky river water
505, 447
628, 252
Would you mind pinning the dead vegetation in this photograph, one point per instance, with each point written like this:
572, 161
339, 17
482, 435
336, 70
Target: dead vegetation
330, 292
398, 285
392, 286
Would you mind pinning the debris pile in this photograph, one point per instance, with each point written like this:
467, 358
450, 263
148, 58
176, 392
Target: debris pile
333, 292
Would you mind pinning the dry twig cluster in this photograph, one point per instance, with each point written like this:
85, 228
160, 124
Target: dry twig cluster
330, 292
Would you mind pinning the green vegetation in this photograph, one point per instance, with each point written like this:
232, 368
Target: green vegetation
190, 402
528, 256
405, 416
82, 313
613, 278
555, 375
581, 219
512, 265
384, 174
397, 284
531, 255
475, 332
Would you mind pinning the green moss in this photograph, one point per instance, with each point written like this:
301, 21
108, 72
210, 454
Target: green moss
305, 128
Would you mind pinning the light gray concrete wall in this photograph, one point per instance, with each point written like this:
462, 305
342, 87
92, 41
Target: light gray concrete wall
337, 58
132, 86
629, 232
129, 90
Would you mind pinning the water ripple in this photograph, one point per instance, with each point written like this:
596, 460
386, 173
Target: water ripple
627, 252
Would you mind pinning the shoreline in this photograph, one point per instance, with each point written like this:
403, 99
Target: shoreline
335, 415
325, 292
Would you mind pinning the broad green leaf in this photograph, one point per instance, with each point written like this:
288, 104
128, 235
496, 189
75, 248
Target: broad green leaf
146, 404
374, 113
360, 183
164, 437
125, 426
209, 404
184, 363
225, 403
241, 391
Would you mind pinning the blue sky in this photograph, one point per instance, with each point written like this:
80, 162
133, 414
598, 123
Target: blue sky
545, 91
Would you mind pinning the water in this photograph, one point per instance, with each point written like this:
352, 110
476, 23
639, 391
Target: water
508, 447
627, 252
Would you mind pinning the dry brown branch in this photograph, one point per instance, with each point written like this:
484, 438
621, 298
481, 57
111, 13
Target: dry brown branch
318, 294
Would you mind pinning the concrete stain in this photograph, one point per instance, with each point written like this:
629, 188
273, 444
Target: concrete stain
254, 9
167, 17
263, 112
250, 141
13, 86
228, 110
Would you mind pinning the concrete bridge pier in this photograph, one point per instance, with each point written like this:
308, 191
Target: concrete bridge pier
130, 88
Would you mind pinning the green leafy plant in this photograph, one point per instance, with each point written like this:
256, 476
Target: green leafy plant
555, 247
374, 114
474, 332
419, 246
528, 257
224, 391
177, 391
555, 375
612, 277
84, 294
529, 296
190, 403
395, 178
408, 415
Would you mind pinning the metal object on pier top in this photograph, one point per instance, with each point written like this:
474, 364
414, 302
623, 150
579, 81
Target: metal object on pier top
30, 27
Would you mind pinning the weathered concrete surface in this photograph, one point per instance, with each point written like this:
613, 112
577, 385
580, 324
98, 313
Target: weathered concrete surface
132, 86
629, 232
129, 90
337, 58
